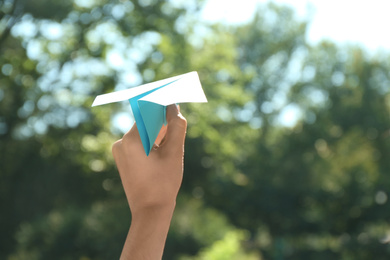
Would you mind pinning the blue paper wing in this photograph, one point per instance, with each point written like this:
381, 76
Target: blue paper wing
153, 118
149, 118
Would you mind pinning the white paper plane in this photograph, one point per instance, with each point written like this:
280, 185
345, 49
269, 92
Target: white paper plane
149, 102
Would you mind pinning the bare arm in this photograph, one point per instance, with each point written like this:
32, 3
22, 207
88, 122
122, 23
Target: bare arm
151, 184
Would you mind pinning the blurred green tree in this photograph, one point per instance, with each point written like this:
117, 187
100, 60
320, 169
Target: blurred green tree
59, 191
317, 188
288, 160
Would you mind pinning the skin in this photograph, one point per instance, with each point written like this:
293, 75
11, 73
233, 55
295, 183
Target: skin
151, 184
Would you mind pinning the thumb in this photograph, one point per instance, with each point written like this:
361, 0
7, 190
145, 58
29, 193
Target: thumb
176, 130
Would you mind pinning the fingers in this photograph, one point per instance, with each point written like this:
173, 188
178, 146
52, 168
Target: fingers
176, 131
171, 137
132, 137
161, 135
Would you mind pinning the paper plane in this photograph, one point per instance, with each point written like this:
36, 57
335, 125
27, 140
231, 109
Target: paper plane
149, 101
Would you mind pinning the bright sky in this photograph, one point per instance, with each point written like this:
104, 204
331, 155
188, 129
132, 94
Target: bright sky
361, 22
343, 21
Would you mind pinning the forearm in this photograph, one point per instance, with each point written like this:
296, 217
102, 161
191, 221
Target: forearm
148, 233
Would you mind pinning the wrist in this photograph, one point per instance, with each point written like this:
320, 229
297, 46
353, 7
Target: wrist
153, 211
148, 232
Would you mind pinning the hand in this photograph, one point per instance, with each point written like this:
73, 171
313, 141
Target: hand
151, 184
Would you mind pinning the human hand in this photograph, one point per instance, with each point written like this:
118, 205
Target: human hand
151, 184
153, 180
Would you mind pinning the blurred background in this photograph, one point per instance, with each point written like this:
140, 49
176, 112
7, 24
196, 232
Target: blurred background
288, 160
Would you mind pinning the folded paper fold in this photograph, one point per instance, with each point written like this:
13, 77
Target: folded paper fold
148, 102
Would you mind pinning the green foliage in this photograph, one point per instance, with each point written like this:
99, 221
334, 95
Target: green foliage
254, 186
227, 248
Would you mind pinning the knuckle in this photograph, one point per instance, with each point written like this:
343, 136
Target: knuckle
179, 120
127, 140
116, 147
182, 121
126, 136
